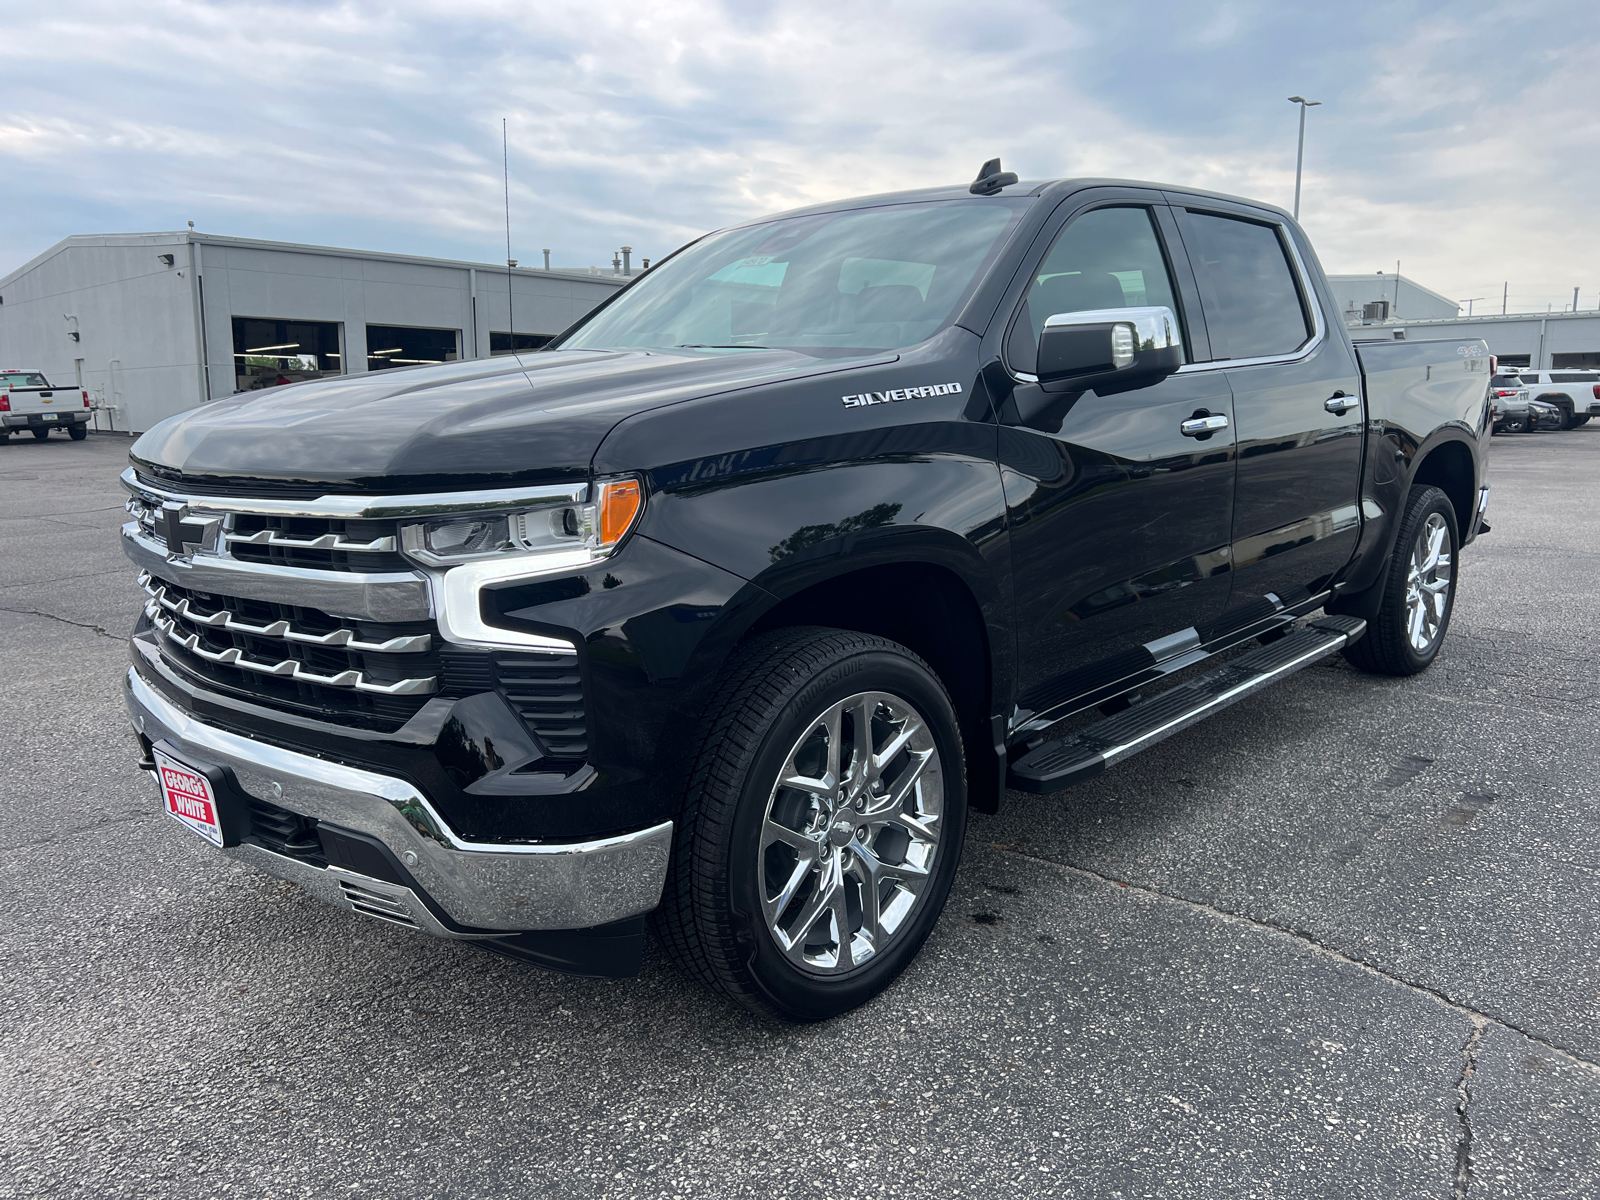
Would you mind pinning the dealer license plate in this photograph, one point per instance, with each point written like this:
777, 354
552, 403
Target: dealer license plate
188, 798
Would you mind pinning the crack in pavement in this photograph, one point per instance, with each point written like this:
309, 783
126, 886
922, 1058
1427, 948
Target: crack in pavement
34, 612
109, 823
1469, 1068
1300, 935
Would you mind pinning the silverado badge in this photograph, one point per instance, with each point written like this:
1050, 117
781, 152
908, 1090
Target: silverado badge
895, 395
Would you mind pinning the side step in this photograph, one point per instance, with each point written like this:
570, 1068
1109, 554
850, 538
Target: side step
1058, 764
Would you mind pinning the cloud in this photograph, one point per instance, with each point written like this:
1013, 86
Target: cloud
1456, 138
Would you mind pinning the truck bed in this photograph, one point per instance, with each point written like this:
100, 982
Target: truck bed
1425, 379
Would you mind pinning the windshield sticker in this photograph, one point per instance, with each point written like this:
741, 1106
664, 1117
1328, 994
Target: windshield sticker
895, 395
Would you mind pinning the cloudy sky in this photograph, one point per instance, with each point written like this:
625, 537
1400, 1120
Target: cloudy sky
1462, 139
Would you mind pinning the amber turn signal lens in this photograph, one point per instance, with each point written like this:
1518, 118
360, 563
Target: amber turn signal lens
620, 503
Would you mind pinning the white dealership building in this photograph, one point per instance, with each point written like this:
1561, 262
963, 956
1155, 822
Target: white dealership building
1394, 306
151, 324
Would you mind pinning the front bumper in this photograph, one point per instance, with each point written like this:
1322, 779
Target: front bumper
454, 887
65, 417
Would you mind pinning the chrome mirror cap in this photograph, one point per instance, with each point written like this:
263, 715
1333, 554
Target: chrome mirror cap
1154, 327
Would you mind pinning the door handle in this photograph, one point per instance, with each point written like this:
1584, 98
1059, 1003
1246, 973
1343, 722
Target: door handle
1203, 426
1339, 403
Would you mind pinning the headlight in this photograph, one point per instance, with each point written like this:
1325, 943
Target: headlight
475, 537
471, 551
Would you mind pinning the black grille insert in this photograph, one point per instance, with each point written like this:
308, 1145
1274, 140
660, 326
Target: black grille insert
547, 691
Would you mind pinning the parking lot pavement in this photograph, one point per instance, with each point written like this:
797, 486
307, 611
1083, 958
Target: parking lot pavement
1341, 940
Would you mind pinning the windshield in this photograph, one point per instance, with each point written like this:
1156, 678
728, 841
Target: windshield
863, 279
22, 379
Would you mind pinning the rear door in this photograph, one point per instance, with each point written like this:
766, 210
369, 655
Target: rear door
1296, 405
1119, 521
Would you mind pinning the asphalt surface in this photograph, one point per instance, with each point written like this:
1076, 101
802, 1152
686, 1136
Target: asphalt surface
1339, 941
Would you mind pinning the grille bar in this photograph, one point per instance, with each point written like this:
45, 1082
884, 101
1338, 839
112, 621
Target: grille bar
290, 668
326, 541
343, 639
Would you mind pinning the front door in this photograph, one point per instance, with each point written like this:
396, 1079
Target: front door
1296, 406
1119, 521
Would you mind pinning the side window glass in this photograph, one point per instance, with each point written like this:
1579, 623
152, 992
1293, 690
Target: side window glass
1106, 258
1253, 306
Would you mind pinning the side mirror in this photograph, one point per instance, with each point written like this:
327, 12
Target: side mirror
1109, 349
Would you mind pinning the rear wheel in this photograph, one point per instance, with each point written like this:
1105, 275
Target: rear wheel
41, 434
1420, 591
822, 826
78, 432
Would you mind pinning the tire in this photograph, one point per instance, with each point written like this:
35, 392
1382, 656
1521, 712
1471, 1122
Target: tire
1391, 645
40, 435
1562, 405
1580, 419
77, 432
744, 908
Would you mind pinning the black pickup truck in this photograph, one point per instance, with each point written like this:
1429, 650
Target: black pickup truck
727, 607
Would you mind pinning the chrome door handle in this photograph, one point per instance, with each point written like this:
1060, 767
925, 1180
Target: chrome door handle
1339, 404
1201, 426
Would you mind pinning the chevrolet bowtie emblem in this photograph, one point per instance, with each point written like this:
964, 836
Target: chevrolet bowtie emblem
183, 537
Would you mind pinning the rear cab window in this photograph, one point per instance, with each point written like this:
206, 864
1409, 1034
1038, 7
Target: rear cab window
22, 379
1254, 305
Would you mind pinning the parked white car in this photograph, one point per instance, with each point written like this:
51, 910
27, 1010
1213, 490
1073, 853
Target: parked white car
1575, 393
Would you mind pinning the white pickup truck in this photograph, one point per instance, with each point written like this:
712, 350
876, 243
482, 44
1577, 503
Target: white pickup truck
1575, 393
28, 401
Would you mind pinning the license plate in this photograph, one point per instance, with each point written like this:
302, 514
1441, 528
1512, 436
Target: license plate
188, 798
48, 417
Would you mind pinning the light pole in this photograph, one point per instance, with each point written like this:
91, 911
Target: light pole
1300, 155
1468, 302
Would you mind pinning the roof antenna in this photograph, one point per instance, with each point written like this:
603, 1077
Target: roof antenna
991, 179
505, 157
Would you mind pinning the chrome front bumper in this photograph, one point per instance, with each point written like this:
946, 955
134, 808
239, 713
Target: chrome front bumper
485, 887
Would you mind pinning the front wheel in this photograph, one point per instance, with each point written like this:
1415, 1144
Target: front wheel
1419, 594
822, 826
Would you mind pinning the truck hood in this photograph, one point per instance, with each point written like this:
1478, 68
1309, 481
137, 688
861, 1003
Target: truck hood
534, 418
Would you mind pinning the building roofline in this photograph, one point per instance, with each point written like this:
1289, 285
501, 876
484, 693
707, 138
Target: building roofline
1484, 318
187, 236
1352, 276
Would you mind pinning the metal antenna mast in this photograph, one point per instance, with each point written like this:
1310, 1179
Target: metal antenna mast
1300, 154
505, 162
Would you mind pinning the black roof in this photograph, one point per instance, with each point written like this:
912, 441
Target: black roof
1020, 189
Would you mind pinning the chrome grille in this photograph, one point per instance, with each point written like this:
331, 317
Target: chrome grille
307, 605
315, 543
350, 672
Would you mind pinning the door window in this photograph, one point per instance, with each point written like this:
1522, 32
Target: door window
1106, 258
1253, 307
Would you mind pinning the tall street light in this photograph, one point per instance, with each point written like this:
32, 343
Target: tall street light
1300, 155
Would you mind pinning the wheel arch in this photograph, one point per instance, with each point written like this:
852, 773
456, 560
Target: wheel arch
1451, 467
919, 591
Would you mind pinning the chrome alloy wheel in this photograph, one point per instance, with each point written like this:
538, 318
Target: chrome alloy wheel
849, 836
1428, 580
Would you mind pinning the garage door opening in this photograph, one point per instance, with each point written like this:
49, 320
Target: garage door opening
1586, 359
269, 353
400, 346
510, 343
